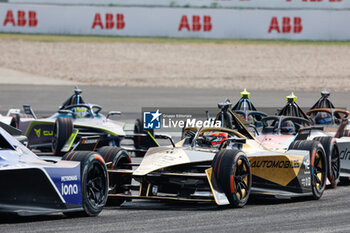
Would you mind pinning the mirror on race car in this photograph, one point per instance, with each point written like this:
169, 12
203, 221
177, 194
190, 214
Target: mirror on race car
113, 113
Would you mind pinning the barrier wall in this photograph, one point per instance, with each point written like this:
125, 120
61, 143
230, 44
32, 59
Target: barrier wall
176, 22
270, 4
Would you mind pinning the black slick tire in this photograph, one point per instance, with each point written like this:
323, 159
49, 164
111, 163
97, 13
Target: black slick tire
318, 165
142, 142
333, 159
62, 130
231, 169
116, 158
94, 182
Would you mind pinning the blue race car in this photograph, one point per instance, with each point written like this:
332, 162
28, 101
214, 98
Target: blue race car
76, 185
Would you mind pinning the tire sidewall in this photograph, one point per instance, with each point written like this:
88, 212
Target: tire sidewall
63, 128
329, 145
318, 149
85, 166
224, 165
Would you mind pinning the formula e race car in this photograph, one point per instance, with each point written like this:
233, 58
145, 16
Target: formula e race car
330, 129
30, 185
223, 166
51, 133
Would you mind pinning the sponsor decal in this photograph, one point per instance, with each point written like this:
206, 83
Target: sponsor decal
112, 21
198, 24
23, 19
45, 132
38, 132
69, 178
280, 169
344, 154
275, 164
89, 141
68, 182
306, 182
306, 163
70, 189
286, 25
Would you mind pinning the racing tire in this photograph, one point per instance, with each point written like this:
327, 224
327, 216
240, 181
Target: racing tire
141, 142
231, 170
62, 130
116, 158
318, 164
333, 159
15, 120
94, 182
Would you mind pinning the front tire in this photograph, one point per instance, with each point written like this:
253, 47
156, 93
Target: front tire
116, 158
333, 159
94, 182
318, 165
231, 169
62, 130
142, 142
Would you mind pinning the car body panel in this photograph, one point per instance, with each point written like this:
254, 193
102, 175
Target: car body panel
31, 185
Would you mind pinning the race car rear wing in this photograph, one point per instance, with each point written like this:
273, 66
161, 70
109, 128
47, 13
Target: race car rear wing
29, 111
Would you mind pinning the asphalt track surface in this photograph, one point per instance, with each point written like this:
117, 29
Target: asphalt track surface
329, 214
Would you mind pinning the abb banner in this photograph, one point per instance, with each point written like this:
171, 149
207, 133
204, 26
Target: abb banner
177, 22
267, 4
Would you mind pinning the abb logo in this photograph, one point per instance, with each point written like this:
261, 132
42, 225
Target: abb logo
23, 19
196, 23
286, 25
110, 22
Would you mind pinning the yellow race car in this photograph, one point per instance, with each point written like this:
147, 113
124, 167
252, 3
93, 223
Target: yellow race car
222, 166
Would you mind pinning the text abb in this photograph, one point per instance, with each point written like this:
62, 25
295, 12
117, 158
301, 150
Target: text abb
197, 24
23, 19
286, 25
111, 22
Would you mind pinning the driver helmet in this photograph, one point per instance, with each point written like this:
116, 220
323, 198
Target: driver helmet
218, 138
323, 118
288, 127
80, 112
250, 119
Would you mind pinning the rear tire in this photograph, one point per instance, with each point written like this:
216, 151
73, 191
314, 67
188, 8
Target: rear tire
62, 130
333, 159
231, 169
142, 142
318, 165
117, 157
94, 182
